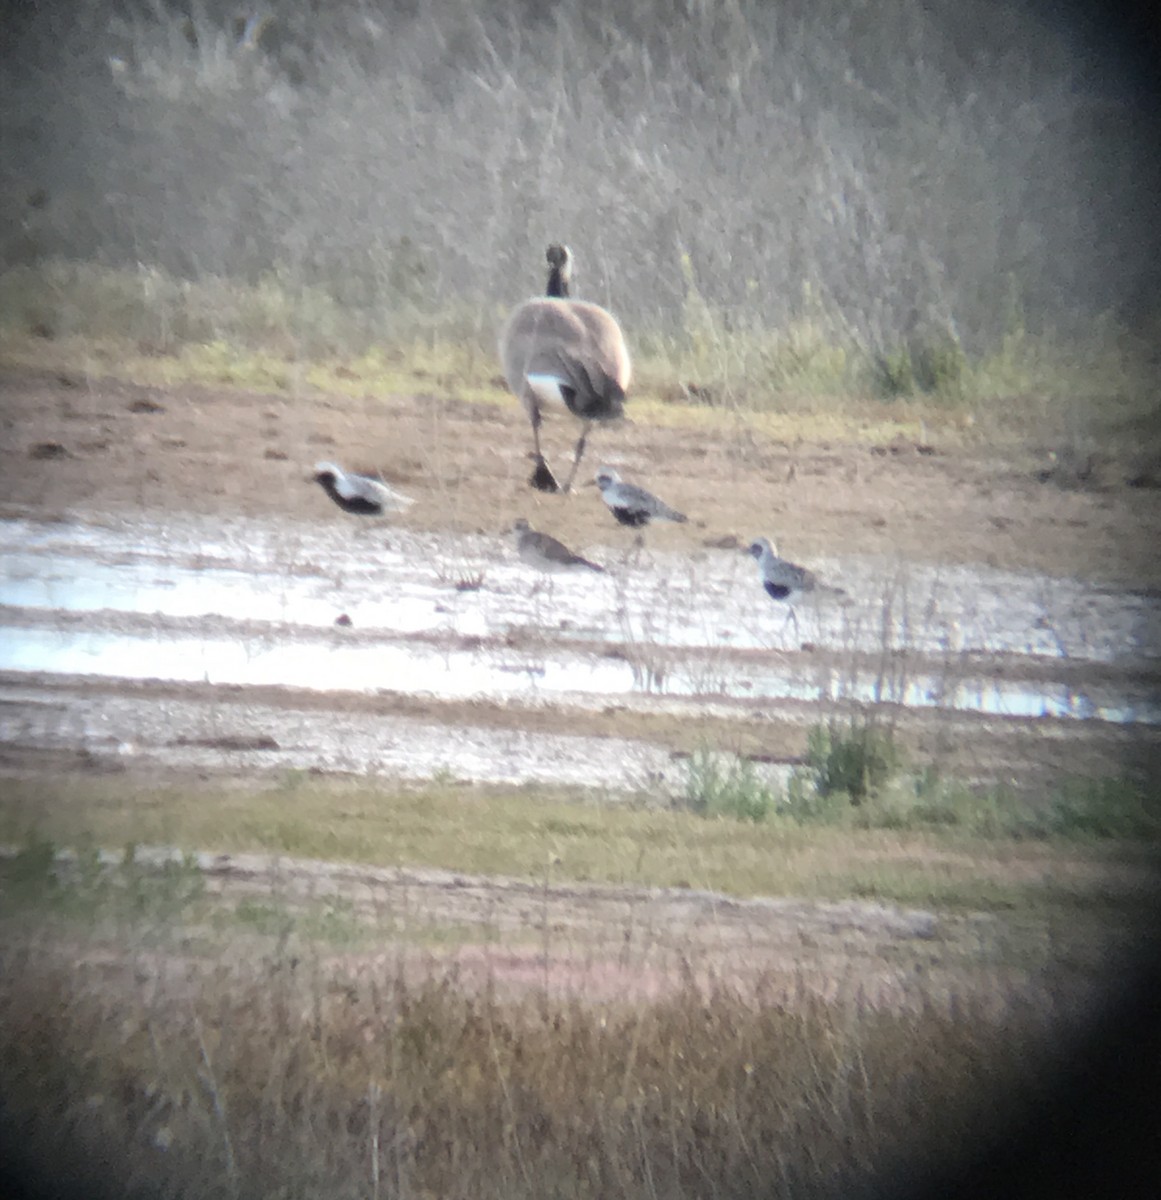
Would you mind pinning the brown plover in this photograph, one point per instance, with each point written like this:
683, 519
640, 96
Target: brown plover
545, 553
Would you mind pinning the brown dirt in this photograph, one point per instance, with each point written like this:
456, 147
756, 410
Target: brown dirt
118, 446
127, 447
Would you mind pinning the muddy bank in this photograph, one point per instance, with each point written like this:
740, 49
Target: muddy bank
128, 449
298, 652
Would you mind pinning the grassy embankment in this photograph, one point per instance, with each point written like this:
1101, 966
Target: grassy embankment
908, 842
800, 382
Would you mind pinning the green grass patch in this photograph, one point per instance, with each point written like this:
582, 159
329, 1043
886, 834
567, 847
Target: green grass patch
855, 759
85, 886
807, 379
877, 848
78, 889
855, 776
1078, 810
726, 786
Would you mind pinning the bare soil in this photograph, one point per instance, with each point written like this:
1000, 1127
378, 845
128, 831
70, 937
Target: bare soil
73, 443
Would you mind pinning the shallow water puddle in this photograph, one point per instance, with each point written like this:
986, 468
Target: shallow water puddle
271, 594
489, 674
81, 584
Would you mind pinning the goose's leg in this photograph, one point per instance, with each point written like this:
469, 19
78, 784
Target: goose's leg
542, 479
578, 454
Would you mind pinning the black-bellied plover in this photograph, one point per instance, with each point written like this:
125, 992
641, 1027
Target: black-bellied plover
633, 505
544, 552
360, 494
780, 578
784, 580
562, 352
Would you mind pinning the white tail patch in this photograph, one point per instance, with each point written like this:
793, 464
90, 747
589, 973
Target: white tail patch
547, 388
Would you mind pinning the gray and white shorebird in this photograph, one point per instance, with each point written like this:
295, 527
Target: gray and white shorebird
545, 553
784, 580
633, 505
560, 352
362, 495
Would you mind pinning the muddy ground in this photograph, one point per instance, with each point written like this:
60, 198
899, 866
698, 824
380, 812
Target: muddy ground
74, 443
78, 448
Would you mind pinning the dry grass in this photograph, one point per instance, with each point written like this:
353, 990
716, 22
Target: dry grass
283, 1075
169, 1030
167, 1033
888, 186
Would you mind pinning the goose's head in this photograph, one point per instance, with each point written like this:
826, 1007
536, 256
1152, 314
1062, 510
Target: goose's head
559, 258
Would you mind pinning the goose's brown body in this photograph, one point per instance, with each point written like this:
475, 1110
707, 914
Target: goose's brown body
556, 350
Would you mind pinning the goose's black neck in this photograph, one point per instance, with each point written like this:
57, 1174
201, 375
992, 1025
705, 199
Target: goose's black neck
557, 283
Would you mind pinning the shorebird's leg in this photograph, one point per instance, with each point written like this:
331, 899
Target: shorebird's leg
542, 591
633, 554
542, 478
578, 454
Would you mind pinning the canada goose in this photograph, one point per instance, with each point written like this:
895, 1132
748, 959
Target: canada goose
359, 494
545, 553
633, 505
564, 352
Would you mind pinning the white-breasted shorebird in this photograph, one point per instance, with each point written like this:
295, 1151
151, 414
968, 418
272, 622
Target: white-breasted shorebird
362, 495
785, 580
633, 505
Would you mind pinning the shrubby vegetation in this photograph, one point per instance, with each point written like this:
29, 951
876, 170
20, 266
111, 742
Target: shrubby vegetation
719, 785
856, 759
761, 190
856, 776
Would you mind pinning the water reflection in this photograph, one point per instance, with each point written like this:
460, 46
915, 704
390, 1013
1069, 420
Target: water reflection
327, 664
273, 592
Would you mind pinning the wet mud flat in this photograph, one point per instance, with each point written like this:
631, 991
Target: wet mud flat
253, 645
178, 601
408, 654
